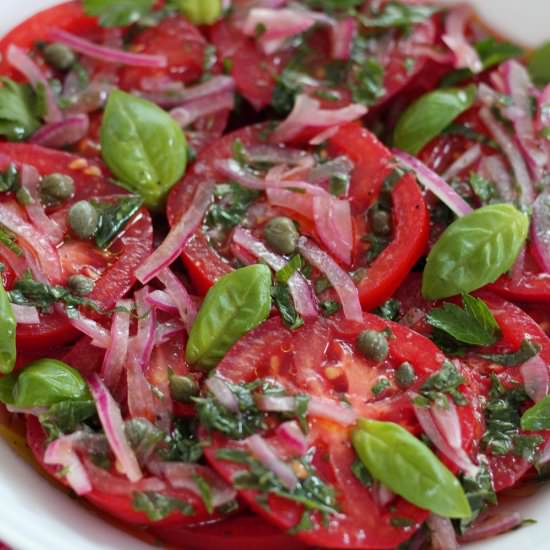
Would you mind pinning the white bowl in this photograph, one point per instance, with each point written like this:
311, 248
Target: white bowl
37, 516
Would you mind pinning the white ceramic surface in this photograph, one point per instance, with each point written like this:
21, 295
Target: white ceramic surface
36, 516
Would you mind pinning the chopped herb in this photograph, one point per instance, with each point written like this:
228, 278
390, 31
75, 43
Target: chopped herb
526, 351
329, 307
382, 384
285, 273
118, 13
368, 86
539, 66
113, 218
289, 84
398, 15
482, 187
66, 417
143, 436
9, 240
300, 412
182, 444
389, 310
377, 245
157, 506
445, 381
205, 491
360, 471
537, 417
239, 152
334, 5
9, 179
471, 134
305, 524
322, 284
284, 303
400, 521
339, 184
230, 209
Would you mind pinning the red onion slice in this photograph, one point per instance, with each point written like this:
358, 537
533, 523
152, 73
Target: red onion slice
223, 394
263, 451
176, 240
442, 533
144, 339
513, 155
448, 424
230, 168
466, 160
275, 403
536, 378
494, 169
115, 357
342, 283
331, 410
299, 288
61, 452
141, 401
195, 109
60, 134
540, 230
113, 425
105, 54
307, 113
161, 300
166, 331
25, 315
491, 527
292, 436
174, 287
30, 181
455, 27
100, 337
273, 154
18, 59
343, 33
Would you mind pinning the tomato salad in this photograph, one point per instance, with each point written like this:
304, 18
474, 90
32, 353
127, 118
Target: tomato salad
277, 274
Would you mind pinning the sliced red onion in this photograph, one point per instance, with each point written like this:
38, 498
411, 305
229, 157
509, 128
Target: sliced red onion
296, 202
161, 300
323, 136
144, 339
456, 455
323, 172
232, 169
342, 283
174, 287
176, 240
455, 27
223, 394
61, 452
275, 403
331, 410
430, 52
494, 169
25, 315
40, 245
334, 226
443, 536
448, 424
307, 113
30, 181
60, 134
105, 54
384, 495
18, 59
273, 154
512, 153
343, 33
263, 451
491, 527
115, 357
113, 425
181, 475
540, 230
100, 336
191, 111
464, 161
141, 401
434, 183
299, 288
535, 378
292, 436
91, 99
166, 331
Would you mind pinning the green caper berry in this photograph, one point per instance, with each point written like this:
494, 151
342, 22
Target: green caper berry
373, 345
56, 188
83, 219
183, 388
281, 235
405, 375
59, 56
81, 285
380, 222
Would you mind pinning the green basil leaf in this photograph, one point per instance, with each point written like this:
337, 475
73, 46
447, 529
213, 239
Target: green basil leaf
537, 417
143, 146
539, 65
113, 218
200, 12
526, 351
117, 13
65, 417
409, 468
8, 326
158, 506
474, 324
475, 250
19, 116
7, 383
428, 116
236, 304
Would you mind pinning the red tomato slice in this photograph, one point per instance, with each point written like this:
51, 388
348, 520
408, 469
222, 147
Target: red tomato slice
114, 270
118, 501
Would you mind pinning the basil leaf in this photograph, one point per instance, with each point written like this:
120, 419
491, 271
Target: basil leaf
200, 12
143, 146
113, 218
19, 110
7, 384
474, 250
526, 351
409, 468
474, 325
537, 417
429, 115
8, 325
117, 13
65, 417
539, 65
157, 506
236, 304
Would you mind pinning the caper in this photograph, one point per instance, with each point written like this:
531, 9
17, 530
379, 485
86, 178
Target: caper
183, 388
59, 56
80, 285
380, 222
281, 235
83, 219
373, 345
405, 375
56, 188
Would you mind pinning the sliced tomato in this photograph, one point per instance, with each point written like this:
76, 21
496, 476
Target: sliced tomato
112, 269
118, 500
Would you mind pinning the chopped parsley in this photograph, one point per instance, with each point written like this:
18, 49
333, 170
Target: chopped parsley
230, 208
329, 307
436, 389
157, 506
182, 444
398, 15
526, 351
389, 310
